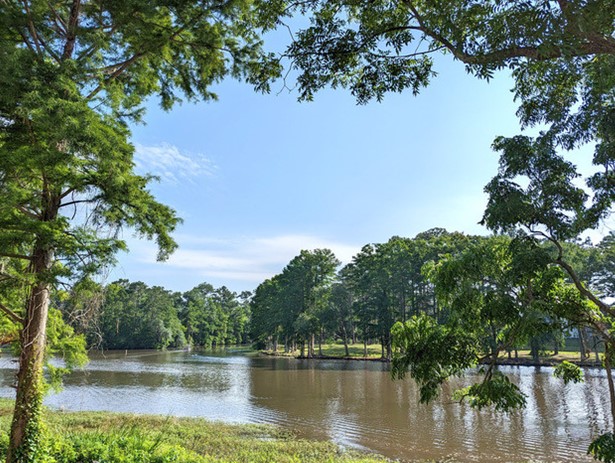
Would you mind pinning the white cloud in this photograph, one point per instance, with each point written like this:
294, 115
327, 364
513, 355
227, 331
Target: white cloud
240, 259
172, 165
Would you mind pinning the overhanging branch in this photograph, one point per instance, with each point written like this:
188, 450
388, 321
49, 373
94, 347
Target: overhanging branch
12, 315
590, 43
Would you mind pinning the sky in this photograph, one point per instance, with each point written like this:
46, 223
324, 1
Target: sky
257, 178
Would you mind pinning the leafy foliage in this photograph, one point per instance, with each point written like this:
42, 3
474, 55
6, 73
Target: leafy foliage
380, 46
292, 303
496, 392
136, 316
603, 448
498, 296
568, 372
430, 353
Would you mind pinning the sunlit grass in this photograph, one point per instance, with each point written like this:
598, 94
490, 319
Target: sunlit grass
374, 351
88, 437
571, 356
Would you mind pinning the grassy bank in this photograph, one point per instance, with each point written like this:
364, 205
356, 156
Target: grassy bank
88, 437
336, 350
374, 352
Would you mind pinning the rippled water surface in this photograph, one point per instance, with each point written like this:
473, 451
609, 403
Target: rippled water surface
355, 404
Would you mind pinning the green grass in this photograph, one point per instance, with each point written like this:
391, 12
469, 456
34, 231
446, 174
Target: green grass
88, 437
374, 352
337, 350
355, 350
571, 356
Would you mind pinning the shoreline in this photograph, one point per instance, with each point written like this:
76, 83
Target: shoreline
504, 361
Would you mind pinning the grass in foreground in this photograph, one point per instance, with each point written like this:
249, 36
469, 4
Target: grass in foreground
101, 437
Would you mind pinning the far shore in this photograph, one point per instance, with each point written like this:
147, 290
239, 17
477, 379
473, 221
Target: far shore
331, 352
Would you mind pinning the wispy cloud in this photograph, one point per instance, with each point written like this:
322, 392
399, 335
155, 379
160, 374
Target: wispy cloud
241, 259
172, 165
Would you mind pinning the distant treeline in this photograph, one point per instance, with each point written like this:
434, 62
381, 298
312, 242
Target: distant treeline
312, 300
125, 315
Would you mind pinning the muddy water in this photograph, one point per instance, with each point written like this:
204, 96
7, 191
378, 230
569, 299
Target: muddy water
354, 404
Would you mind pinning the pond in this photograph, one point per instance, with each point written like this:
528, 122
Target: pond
352, 403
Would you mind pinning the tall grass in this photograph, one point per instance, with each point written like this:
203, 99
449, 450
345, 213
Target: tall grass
100, 437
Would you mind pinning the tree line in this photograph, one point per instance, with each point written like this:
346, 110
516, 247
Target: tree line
133, 315
431, 275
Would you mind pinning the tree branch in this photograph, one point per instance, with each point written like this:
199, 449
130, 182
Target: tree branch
28, 212
79, 201
15, 256
59, 21
582, 289
31, 27
71, 30
12, 315
594, 44
125, 65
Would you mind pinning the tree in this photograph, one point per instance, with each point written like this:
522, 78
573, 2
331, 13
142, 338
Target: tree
387, 46
135, 316
73, 75
293, 302
498, 297
265, 322
340, 314
604, 268
303, 280
388, 281
370, 279
535, 193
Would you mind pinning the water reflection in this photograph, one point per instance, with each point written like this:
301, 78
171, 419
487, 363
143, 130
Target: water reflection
352, 403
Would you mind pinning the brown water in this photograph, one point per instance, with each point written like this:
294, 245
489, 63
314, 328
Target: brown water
354, 404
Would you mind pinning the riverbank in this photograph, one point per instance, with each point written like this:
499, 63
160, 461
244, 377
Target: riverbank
374, 354
88, 437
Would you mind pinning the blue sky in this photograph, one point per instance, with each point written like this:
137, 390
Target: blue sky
257, 178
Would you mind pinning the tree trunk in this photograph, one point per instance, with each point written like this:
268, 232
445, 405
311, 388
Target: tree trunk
365, 347
596, 345
25, 440
311, 346
345, 339
389, 347
535, 351
609, 376
582, 345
